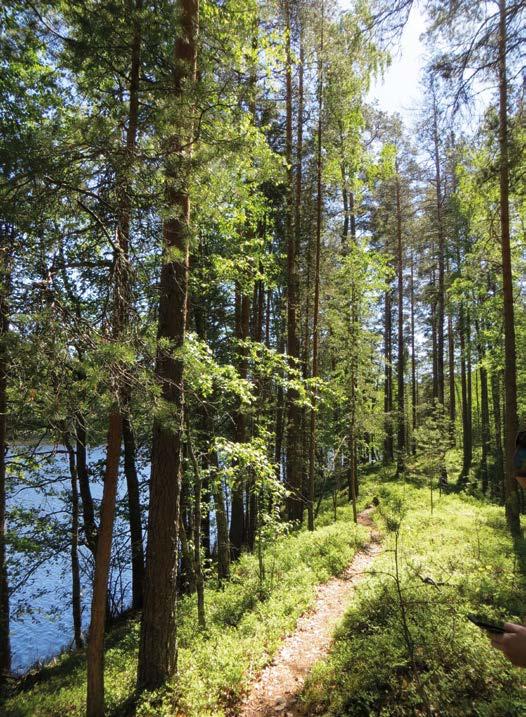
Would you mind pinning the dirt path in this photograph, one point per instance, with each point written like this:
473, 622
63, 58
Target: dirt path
276, 690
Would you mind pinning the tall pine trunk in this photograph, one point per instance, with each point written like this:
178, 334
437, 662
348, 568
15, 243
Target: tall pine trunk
134, 512
401, 431
238, 521
388, 377
315, 309
76, 606
197, 564
439, 323
123, 236
414, 387
486, 435
498, 488
6, 238
95, 653
88, 510
223, 543
510, 361
293, 435
467, 450
158, 641
121, 286
451, 362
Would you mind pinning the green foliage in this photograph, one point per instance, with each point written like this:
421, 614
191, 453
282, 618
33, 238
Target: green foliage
457, 560
432, 441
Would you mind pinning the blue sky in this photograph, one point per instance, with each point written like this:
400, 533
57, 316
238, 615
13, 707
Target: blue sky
399, 90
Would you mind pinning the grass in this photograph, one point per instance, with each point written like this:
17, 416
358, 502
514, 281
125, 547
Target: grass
246, 621
405, 646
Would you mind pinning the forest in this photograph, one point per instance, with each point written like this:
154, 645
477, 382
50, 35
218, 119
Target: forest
262, 359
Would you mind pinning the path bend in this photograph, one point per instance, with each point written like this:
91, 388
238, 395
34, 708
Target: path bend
276, 690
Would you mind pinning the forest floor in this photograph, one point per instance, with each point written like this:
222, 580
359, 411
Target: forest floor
247, 619
277, 689
336, 624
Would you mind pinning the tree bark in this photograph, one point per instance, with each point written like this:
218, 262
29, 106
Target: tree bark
6, 238
88, 510
401, 430
293, 433
95, 653
197, 564
238, 522
134, 513
414, 392
121, 282
451, 361
439, 326
466, 420
510, 360
388, 380
158, 642
315, 309
123, 236
280, 400
76, 605
484, 414
223, 543
498, 487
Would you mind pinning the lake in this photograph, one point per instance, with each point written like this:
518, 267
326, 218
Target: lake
41, 620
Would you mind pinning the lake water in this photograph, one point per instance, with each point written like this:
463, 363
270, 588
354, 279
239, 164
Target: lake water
41, 620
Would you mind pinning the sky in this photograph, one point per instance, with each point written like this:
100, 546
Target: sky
399, 90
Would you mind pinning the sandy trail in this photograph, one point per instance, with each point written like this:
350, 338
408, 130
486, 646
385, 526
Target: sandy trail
276, 690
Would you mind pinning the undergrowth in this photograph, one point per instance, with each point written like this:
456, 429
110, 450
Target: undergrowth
405, 646
246, 620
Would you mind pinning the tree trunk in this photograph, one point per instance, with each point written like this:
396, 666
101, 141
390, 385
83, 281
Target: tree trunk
293, 435
123, 266
486, 436
6, 238
510, 361
134, 513
388, 381
238, 522
253, 499
400, 463
186, 577
315, 309
158, 643
434, 343
223, 543
451, 360
498, 487
414, 395
280, 399
88, 510
197, 564
469, 378
352, 421
466, 421
213, 485
74, 545
95, 653
439, 327
121, 279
